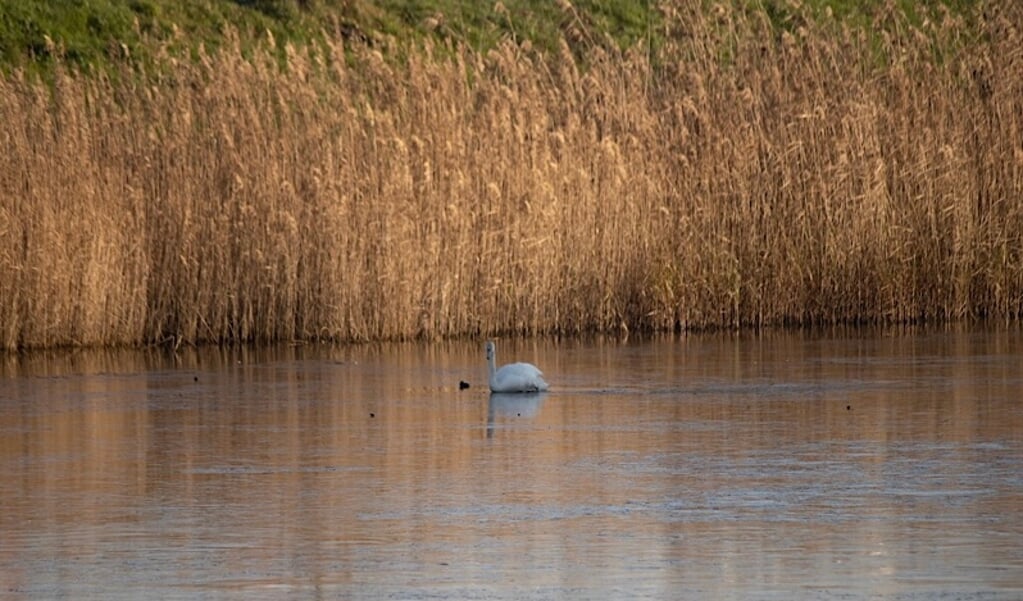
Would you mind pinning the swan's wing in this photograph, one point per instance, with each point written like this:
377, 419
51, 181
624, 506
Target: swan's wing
526, 369
519, 377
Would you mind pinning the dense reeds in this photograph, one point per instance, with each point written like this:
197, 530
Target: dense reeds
742, 176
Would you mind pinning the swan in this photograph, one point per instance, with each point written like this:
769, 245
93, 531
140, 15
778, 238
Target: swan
514, 377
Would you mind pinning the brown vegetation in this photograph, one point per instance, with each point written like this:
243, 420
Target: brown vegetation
740, 177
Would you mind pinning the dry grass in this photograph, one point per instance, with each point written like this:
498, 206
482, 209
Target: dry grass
743, 180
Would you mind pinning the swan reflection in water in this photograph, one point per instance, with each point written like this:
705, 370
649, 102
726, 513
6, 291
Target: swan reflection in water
512, 405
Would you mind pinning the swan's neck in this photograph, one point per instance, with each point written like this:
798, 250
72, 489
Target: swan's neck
491, 367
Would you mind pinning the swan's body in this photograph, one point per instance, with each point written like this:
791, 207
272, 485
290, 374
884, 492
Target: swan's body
514, 377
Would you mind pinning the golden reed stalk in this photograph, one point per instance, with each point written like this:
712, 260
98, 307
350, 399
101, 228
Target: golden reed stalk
735, 179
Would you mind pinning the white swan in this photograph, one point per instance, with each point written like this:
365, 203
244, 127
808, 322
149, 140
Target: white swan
514, 377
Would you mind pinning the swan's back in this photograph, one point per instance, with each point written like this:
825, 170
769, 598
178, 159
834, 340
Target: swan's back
518, 377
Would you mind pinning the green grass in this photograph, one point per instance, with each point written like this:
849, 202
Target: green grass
80, 32
86, 34
89, 33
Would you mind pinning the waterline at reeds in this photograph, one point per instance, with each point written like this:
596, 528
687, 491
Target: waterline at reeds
741, 177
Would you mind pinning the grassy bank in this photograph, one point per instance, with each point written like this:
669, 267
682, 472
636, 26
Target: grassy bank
745, 175
96, 35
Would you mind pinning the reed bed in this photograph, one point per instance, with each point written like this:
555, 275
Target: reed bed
741, 177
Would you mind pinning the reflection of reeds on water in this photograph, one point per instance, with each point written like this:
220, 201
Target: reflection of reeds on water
819, 177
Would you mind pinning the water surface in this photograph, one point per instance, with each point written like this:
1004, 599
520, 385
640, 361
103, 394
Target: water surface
851, 465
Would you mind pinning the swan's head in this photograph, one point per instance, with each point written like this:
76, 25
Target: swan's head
491, 350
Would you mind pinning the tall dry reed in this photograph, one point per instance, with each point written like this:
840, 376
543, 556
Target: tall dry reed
744, 177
